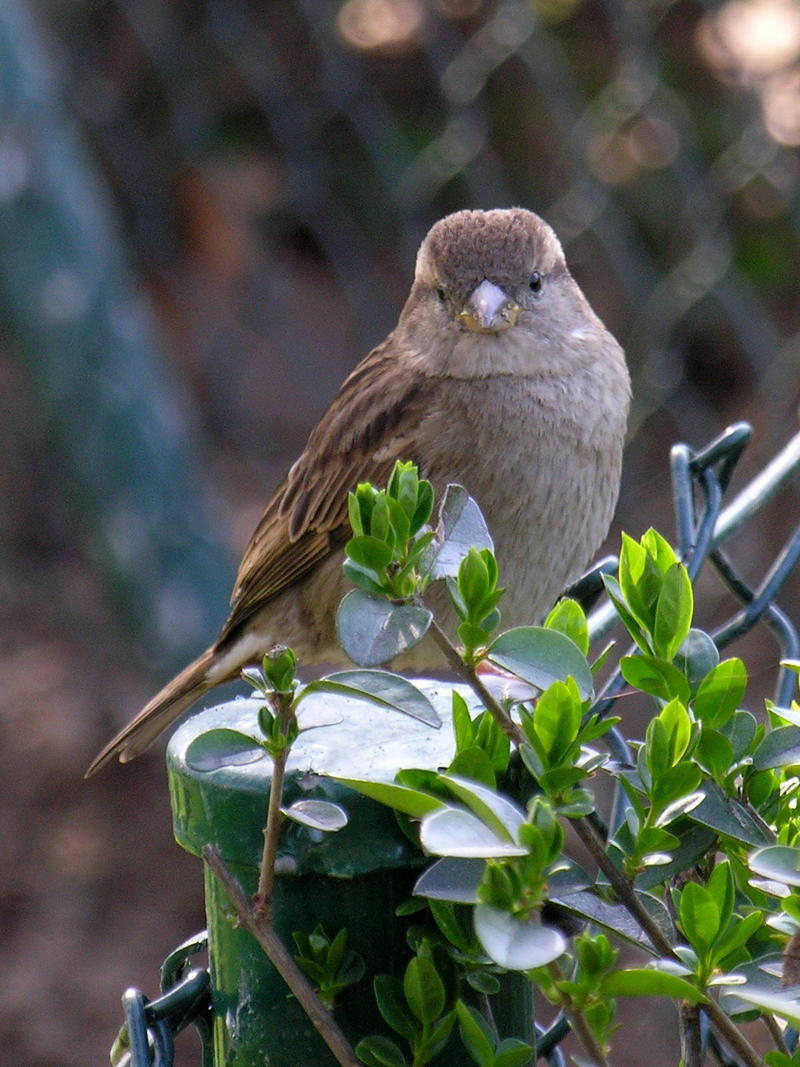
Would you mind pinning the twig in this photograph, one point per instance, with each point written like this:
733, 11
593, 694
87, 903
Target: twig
578, 1024
776, 1034
262, 930
691, 1044
731, 1034
266, 877
621, 886
468, 674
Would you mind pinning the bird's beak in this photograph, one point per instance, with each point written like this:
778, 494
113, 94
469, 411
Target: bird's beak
488, 309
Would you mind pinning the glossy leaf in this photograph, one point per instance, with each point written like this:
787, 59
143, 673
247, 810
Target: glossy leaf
461, 527
424, 990
699, 916
379, 1051
500, 814
223, 748
373, 631
649, 982
382, 688
655, 676
411, 802
457, 832
516, 944
569, 618
779, 748
452, 878
778, 863
475, 1035
720, 693
317, 814
674, 609
541, 657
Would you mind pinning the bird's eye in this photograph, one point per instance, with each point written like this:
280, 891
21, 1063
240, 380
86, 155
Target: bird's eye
440, 293
535, 282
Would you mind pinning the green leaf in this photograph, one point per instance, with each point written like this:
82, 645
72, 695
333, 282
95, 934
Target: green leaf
450, 923
513, 1053
569, 618
516, 944
648, 982
473, 763
720, 886
391, 1001
726, 815
779, 748
457, 832
424, 990
463, 728
674, 610
461, 527
541, 657
655, 676
369, 552
720, 693
675, 784
379, 1051
639, 580
452, 878
778, 863
699, 916
679, 728
223, 748
616, 917
473, 578
739, 933
382, 688
475, 1035
714, 753
659, 550
373, 631
500, 814
557, 720
697, 656
317, 814
631, 624
410, 801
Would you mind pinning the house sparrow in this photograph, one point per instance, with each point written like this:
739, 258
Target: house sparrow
498, 376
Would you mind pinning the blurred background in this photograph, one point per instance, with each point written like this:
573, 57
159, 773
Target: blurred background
209, 211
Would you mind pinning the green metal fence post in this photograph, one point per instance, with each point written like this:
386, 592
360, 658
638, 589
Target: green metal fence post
354, 878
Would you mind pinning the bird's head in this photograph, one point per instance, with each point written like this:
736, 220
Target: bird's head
496, 274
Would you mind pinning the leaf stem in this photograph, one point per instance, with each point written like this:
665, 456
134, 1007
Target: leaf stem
257, 923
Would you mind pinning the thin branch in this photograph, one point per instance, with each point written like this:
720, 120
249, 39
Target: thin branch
469, 675
731, 1034
621, 886
776, 1034
577, 1022
264, 933
691, 1043
266, 877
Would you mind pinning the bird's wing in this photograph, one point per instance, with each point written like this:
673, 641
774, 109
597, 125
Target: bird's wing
371, 423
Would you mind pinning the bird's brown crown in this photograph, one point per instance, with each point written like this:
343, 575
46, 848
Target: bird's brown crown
503, 245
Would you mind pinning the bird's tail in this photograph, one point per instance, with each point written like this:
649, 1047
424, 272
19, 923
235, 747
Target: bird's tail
166, 706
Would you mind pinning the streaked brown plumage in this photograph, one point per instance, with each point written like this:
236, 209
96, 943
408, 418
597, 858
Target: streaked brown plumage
498, 376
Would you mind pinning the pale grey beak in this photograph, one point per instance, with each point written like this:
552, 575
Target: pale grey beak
488, 309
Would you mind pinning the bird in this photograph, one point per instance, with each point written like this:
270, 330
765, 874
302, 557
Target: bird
499, 377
